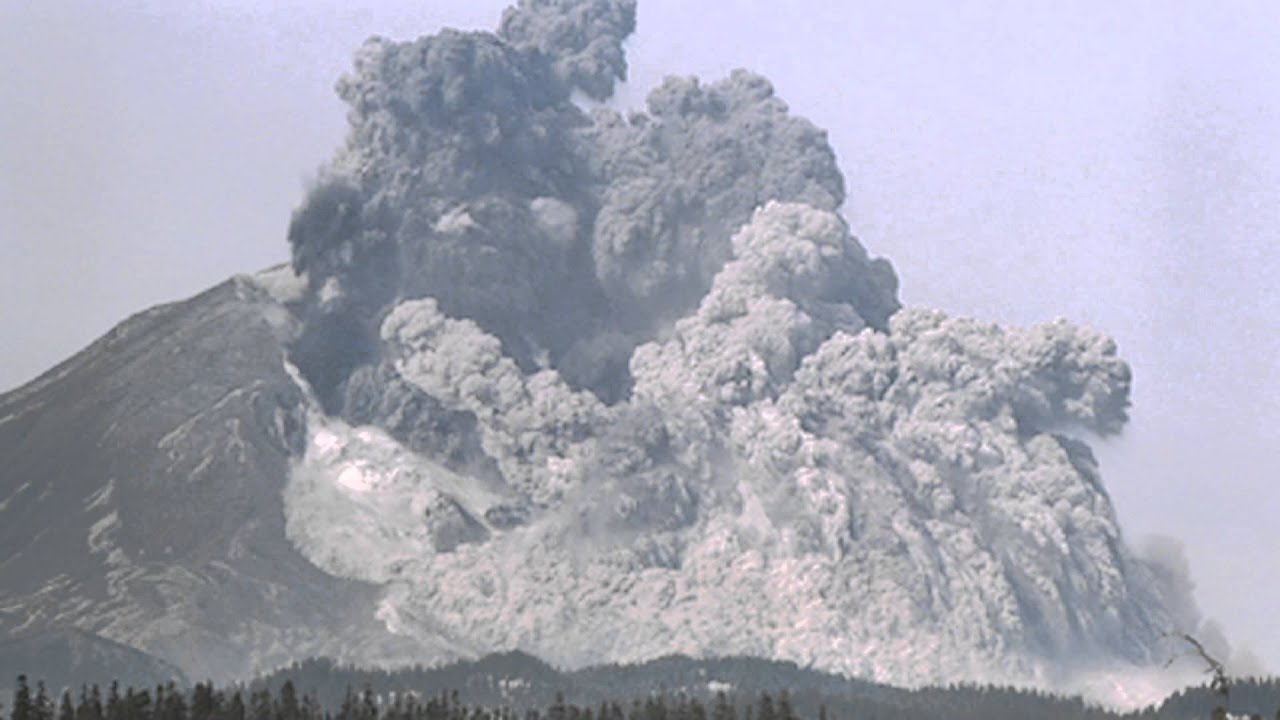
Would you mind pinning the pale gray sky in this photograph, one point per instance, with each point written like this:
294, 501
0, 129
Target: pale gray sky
1117, 164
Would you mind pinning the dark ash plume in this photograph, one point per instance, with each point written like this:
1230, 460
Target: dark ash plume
470, 177
583, 39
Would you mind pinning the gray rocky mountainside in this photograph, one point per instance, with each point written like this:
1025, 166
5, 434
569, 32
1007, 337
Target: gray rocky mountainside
69, 658
595, 386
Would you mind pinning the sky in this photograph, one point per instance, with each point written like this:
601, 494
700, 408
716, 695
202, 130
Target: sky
1116, 164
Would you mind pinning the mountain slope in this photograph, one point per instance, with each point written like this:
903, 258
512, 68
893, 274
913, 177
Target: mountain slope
71, 658
140, 488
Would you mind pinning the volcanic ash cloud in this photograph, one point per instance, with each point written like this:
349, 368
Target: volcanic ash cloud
605, 387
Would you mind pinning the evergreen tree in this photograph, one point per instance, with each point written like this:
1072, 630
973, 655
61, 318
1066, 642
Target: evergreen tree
22, 709
174, 705
66, 711
95, 703
90, 705
144, 709
82, 706
260, 705
288, 707
235, 708
138, 704
42, 707
397, 709
723, 709
766, 710
129, 705
435, 709
311, 709
348, 709
784, 706
558, 711
655, 709
202, 702
114, 703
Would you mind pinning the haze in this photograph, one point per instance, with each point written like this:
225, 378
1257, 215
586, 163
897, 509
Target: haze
1113, 164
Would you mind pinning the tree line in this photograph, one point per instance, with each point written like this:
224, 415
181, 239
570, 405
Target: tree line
205, 702
259, 701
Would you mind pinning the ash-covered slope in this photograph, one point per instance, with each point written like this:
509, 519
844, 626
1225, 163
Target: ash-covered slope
593, 386
140, 488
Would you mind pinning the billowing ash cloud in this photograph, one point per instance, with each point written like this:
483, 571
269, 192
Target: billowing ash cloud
452, 137
583, 39
529, 425
470, 177
794, 279
677, 182
782, 480
585, 372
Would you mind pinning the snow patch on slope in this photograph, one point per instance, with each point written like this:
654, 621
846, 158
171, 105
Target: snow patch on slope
281, 283
361, 506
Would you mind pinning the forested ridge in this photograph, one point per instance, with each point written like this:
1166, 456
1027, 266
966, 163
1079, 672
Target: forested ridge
514, 685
